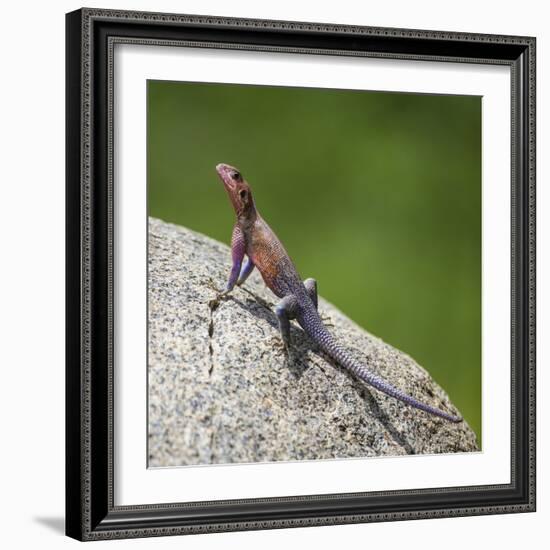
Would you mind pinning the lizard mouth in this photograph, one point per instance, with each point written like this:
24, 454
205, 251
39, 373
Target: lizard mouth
224, 171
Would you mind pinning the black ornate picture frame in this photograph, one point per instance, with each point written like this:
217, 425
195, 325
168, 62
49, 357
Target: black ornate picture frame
91, 513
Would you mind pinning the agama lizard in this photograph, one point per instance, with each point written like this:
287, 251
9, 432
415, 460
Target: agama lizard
298, 300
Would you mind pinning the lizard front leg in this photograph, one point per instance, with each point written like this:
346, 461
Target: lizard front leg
286, 310
246, 271
237, 254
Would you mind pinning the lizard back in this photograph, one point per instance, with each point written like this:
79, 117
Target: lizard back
271, 259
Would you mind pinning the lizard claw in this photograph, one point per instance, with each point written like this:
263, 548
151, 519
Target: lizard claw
212, 285
279, 345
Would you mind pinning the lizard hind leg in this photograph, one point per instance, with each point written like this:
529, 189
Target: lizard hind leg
286, 311
311, 288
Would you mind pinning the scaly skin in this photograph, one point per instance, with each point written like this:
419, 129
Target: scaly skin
255, 239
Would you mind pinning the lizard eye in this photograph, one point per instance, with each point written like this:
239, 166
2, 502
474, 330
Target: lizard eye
236, 176
242, 194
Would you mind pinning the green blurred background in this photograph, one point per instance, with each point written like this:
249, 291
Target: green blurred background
375, 195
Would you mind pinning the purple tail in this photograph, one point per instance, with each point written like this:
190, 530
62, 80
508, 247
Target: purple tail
311, 322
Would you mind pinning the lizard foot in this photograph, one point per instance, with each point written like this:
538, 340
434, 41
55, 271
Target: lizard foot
327, 320
279, 345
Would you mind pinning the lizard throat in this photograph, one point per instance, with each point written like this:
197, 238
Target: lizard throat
247, 217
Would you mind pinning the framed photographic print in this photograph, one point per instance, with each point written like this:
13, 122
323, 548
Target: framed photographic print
300, 274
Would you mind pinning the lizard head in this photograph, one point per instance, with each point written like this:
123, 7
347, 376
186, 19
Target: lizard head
238, 190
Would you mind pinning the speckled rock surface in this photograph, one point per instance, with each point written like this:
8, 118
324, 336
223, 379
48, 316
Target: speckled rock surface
221, 389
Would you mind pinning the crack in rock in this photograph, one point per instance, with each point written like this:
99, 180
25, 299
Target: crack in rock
212, 306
